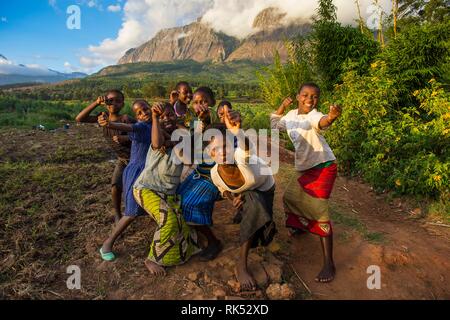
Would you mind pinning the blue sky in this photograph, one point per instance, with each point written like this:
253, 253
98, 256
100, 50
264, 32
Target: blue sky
35, 31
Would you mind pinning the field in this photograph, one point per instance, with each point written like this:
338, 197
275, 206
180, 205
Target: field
55, 209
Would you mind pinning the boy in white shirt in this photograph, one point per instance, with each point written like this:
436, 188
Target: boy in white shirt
248, 182
306, 196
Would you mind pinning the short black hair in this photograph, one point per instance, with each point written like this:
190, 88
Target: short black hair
208, 92
118, 92
139, 101
224, 103
309, 84
182, 84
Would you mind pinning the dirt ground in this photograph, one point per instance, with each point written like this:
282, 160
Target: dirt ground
55, 211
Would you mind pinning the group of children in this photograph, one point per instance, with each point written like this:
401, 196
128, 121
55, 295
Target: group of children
157, 176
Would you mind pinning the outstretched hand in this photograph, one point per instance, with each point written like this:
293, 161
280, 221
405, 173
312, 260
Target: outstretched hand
335, 111
103, 119
232, 119
287, 102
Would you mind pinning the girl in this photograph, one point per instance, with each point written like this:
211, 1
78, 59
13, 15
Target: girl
306, 197
140, 134
221, 110
198, 193
118, 140
249, 184
173, 242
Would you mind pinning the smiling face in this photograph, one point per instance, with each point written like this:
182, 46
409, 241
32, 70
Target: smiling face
114, 102
142, 111
201, 99
308, 99
168, 119
185, 94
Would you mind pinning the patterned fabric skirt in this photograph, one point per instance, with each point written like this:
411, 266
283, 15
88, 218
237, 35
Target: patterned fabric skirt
306, 200
174, 242
198, 195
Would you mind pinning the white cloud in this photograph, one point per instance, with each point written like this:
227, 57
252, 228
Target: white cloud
144, 18
9, 67
52, 3
4, 19
114, 8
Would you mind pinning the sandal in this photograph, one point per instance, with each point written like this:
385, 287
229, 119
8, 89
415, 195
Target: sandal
108, 256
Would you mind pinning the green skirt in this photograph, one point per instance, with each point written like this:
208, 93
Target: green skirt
174, 242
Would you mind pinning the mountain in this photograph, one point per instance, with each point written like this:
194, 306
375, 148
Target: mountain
201, 43
196, 42
270, 36
11, 73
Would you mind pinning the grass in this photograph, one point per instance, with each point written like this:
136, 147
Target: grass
353, 222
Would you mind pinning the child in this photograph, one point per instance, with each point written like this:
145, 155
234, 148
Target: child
118, 140
180, 99
173, 242
198, 193
221, 108
248, 182
306, 197
140, 135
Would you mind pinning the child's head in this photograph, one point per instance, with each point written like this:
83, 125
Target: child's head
114, 101
204, 96
168, 119
220, 110
184, 91
308, 97
142, 110
219, 148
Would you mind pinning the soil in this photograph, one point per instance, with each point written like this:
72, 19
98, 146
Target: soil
56, 212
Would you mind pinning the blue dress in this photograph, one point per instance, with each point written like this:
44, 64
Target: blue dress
140, 143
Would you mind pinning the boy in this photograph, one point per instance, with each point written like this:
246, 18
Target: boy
118, 140
306, 197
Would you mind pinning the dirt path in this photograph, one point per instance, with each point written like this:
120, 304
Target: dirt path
56, 213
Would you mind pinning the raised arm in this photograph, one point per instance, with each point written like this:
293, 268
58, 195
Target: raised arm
157, 134
275, 118
327, 121
103, 121
85, 114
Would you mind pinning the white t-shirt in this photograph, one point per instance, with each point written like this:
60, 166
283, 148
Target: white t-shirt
257, 174
311, 148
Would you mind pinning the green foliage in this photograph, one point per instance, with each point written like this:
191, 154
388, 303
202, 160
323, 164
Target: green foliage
333, 45
153, 90
406, 150
283, 80
326, 11
418, 54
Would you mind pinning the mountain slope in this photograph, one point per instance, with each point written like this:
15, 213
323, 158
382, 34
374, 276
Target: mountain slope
195, 42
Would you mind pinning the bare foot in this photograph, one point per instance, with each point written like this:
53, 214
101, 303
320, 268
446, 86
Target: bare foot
155, 269
245, 279
326, 274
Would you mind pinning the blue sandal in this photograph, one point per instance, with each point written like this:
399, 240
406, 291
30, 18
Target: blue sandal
108, 256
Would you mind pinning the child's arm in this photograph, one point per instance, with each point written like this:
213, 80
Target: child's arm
284, 105
85, 115
157, 136
276, 121
103, 121
327, 121
121, 139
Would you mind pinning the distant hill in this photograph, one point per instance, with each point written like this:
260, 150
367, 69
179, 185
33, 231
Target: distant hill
229, 72
11, 73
